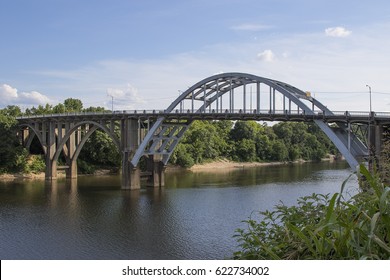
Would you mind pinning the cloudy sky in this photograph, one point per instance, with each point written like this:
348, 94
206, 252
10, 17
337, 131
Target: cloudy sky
143, 52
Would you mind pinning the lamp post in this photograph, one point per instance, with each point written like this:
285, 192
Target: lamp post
369, 88
181, 104
112, 102
369, 133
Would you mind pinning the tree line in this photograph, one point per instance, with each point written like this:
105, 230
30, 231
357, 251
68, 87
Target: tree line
204, 141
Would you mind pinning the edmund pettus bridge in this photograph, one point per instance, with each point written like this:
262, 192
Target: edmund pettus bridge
154, 134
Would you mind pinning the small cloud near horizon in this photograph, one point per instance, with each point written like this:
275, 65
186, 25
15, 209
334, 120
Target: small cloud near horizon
266, 55
340, 32
125, 97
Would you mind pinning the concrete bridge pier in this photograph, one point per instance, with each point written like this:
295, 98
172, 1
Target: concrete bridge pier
131, 175
156, 168
69, 150
376, 143
50, 146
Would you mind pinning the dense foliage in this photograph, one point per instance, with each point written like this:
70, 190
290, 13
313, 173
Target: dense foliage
251, 141
204, 141
12, 155
323, 227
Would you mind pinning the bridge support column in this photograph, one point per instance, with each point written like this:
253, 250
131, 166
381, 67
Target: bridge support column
131, 175
71, 172
50, 140
25, 135
376, 139
157, 169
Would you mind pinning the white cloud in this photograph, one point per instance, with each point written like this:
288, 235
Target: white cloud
11, 96
250, 27
126, 97
33, 97
8, 93
337, 32
266, 55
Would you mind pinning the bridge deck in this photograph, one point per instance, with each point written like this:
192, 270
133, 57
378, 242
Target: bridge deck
338, 116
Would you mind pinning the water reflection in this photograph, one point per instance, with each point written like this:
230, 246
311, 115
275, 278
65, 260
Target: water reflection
193, 217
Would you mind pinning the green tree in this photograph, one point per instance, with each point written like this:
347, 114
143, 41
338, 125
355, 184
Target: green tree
182, 157
12, 154
40, 110
100, 150
244, 130
73, 105
95, 109
12, 111
278, 151
245, 150
59, 109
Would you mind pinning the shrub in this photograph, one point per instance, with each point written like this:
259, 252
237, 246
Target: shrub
323, 227
35, 164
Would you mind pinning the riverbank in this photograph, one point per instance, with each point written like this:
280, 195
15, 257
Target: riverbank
223, 165
25, 176
220, 165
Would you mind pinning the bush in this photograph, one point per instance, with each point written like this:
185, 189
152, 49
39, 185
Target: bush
35, 164
85, 168
323, 227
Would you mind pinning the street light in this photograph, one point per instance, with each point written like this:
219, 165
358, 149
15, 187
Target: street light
112, 102
369, 132
370, 97
181, 103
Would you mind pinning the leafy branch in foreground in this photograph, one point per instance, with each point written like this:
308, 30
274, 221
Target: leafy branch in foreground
323, 227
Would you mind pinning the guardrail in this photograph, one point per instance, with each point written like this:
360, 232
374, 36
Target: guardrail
215, 112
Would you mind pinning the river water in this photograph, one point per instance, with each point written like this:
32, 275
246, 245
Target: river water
193, 217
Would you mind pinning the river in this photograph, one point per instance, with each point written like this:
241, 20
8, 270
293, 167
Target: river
193, 217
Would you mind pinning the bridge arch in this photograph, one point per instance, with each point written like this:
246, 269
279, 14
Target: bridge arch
232, 92
87, 133
31, 136
77, 136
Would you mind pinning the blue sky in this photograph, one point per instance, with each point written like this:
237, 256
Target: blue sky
143, 52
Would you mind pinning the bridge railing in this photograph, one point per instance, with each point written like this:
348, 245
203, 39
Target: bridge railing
361, 114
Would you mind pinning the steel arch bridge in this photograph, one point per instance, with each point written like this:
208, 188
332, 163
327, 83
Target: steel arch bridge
241, 93
155, 134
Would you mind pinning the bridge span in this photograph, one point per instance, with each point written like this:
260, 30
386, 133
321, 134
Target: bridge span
154, 134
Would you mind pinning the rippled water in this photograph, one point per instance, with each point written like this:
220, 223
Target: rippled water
193, 217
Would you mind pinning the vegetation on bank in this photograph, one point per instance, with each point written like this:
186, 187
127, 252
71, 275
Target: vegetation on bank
250, 141
204, 141
323, 227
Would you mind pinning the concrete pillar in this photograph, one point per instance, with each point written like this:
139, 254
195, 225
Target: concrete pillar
375, 145
71, 172
157, 169
48, 133
131, 175
378, 139
25, 136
